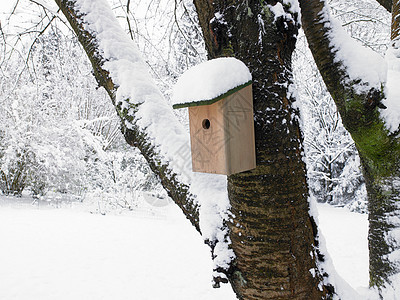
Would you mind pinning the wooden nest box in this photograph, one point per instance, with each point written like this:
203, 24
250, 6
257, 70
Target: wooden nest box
218, 94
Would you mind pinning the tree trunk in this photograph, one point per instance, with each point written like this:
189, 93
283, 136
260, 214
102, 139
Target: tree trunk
271, 231
395, 32
387, 4
379, 149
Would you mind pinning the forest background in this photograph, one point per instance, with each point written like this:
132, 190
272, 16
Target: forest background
60, 133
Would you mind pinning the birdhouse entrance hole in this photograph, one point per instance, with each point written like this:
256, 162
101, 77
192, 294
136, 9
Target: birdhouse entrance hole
206, 123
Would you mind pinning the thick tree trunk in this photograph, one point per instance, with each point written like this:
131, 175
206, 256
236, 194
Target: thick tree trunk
379, 150
395, 31
384, 200
386, 4
271, 231
383, 206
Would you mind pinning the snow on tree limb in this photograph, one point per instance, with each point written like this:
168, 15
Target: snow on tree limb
391, 115
279, 12
353, 75
360, 63
148, 122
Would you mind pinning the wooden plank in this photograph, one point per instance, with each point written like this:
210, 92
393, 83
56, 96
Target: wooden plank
207, 144
239, 124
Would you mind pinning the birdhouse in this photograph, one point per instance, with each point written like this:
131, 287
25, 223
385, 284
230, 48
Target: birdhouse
218, 94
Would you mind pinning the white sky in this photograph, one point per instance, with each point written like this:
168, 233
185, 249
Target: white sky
6, 6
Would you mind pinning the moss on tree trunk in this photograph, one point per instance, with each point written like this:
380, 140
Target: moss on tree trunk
379, 149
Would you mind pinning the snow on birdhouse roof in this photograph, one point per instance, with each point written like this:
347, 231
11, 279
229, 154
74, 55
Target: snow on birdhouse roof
210, 81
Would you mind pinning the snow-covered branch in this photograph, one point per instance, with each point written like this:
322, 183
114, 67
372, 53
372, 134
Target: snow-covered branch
354, 64
365, 89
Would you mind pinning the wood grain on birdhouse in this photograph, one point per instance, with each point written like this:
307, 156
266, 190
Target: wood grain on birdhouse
222, 134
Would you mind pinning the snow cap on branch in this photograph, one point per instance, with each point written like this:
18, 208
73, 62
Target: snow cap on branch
391, 115
361, 63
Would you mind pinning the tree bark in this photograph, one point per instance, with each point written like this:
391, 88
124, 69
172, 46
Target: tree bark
379, 150
271, 231
395, 30
387, 4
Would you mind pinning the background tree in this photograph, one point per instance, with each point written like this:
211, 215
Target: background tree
334, 173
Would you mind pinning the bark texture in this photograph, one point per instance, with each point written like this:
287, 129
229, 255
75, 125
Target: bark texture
379, 149
386, 4
271, 231
177, 190
395, 32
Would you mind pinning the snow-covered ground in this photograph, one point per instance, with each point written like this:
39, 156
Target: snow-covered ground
153, 253
346, 234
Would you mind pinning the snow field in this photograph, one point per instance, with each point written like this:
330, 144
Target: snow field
67, 254
346, 239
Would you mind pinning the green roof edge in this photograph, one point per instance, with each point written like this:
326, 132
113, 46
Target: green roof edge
211, 101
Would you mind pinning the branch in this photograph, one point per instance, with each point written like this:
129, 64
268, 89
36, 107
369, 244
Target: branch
335, 54
127, 19
15, 7
129, 110
355, 79
180, 30
37, 38
353, 75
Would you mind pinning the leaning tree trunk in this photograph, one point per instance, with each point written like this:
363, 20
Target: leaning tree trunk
134, 135
387, 4
271, 230
379, 149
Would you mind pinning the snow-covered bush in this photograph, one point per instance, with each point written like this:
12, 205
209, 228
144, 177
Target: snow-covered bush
118, 178
13, 172
60, 133
41, 144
